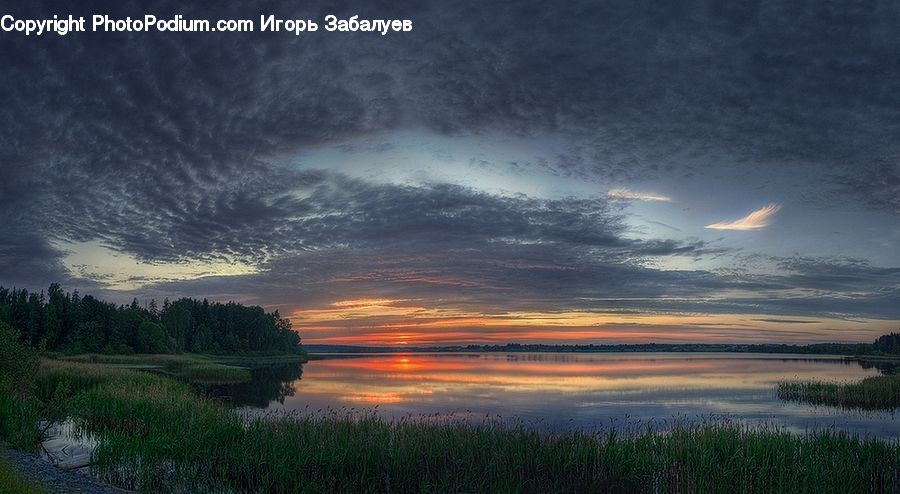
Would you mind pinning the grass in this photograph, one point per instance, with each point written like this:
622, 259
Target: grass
261, 360
191, 367
12, 483
19, 421
156, 435
872, 393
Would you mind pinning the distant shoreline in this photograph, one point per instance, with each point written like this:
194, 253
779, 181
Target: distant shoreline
844, 349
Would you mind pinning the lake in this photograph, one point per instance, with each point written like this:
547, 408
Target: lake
561, 391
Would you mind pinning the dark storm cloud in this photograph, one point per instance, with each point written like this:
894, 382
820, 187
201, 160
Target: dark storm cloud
877, 185
27, 258
261, 218
640, 89
838, 274
649, 89
499, 277
162, 146
464, 248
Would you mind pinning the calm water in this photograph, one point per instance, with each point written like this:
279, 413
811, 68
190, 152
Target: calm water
558, 391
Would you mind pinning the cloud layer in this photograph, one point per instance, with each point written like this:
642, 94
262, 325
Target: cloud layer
177, 149
629, 195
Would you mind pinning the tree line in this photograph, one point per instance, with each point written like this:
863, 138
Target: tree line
68, 322
889, 343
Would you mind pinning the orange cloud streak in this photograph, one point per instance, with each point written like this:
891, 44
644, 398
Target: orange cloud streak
383, 321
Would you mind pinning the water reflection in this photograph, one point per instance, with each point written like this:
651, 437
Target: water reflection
885, 366
568, 390
270, 384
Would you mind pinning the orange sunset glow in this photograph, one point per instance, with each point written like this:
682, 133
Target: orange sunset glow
386, 322
397, 379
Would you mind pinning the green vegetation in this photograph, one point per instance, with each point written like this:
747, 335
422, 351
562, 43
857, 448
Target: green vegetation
872, 393
12, 483
196, 368
261, 360
156, 435
19, 410
73, 324
887, 344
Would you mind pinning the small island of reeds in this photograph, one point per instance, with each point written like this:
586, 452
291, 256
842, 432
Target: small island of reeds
871, 393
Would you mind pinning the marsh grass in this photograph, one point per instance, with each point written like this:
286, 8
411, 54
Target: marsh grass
156, 435
190, 367
872, 393
19, 421
261, 359
19, 410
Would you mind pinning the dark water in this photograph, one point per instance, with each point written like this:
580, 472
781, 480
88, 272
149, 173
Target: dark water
558, 391
270, 384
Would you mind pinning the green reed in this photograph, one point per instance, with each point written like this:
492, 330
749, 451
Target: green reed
19, 421
872, 393
191, 367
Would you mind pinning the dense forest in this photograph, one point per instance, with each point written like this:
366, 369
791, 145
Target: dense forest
889, 343
67, 322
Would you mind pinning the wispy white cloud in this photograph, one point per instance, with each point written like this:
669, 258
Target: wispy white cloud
760, 218
630, 195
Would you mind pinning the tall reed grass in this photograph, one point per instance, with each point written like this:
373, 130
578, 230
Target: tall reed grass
872, 393
19, 419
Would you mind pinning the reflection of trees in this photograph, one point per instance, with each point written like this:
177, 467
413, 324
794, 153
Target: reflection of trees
882, 366
266, 384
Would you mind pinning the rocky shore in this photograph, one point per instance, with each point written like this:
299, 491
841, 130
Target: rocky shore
56, 480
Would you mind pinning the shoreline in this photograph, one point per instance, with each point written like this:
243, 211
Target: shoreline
203, 444
52, 479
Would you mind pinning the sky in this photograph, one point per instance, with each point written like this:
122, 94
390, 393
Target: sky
529, 171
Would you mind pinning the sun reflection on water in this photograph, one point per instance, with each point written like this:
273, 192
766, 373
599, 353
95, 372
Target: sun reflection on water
560, 390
